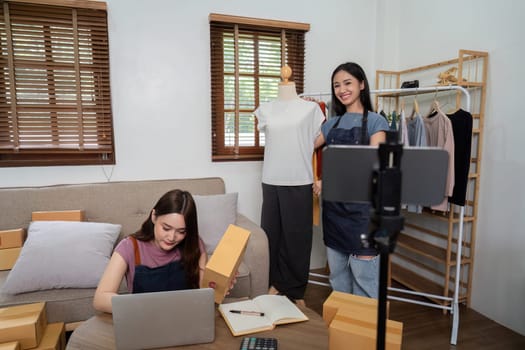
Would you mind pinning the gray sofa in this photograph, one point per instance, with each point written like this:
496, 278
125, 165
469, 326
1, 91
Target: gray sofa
125, 203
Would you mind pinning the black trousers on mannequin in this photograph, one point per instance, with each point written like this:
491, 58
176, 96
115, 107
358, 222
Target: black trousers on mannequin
287, 220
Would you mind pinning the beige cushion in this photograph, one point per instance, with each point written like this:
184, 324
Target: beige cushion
214, 214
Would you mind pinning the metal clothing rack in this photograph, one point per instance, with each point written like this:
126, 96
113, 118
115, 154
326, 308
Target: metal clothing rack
454, 304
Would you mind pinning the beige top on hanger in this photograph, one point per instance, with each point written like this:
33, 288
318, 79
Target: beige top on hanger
287, 89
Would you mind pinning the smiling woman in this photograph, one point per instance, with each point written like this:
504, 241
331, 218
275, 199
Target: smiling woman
353, 267
165, 254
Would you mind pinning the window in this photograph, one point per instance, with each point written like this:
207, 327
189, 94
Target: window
55, 101
246, 59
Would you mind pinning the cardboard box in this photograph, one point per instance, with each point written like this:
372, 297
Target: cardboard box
12, 238
23, 323
14, 345
223, 264
8, 257
338, 299
63, 215
54, 337
360, 329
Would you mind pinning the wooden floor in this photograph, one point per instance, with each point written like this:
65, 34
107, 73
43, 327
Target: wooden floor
428, 328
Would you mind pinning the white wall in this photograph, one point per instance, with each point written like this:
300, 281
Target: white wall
430, 31
161, 89
160, 86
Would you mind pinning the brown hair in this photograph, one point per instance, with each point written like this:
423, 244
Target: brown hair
179, 202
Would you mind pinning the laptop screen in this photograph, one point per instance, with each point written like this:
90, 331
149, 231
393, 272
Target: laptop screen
160, 319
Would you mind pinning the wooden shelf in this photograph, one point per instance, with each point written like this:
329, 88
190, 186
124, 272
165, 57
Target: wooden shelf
431, 234
423, 248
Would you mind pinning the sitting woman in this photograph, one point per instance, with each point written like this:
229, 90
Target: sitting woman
165, 254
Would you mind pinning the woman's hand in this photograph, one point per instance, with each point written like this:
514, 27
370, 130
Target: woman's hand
317, 186
232, 283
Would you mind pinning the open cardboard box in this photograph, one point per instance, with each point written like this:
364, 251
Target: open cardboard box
352, 319
23, 323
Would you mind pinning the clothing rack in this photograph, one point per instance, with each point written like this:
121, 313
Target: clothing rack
454, 304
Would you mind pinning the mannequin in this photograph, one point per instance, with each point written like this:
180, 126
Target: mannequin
286, 88
290, 125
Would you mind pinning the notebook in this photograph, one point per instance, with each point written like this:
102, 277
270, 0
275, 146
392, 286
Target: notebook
262, 313
161, 319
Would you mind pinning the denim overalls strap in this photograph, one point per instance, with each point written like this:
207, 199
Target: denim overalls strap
157, 279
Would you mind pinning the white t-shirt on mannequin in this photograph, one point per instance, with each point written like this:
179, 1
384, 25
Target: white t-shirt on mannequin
290, 125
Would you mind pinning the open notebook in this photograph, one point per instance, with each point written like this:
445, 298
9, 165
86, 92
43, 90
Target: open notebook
161, 319
260, 314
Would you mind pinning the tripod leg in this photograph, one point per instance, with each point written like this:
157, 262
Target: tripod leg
381, 310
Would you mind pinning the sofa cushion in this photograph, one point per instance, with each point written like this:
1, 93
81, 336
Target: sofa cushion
62, 254
214, 214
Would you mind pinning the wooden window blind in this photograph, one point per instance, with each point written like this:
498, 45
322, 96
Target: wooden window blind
246, 58
55, 101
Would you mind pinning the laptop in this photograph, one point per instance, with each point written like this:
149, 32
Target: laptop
162, 319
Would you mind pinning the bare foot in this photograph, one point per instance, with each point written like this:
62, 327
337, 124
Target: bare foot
300, 302
273, 291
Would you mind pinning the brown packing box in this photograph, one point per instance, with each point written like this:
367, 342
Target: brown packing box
337, 299
23, 323
8, 257
54, 337
12, 238
223, 264
63, 215
14, 345
359, 328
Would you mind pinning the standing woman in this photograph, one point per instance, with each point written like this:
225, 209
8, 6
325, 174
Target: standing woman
353, 267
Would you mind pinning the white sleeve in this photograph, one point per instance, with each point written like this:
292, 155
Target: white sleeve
261, 118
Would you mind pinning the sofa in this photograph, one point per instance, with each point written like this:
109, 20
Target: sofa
127, 204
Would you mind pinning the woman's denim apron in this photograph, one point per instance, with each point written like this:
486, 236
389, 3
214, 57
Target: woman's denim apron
158, 279
343, 223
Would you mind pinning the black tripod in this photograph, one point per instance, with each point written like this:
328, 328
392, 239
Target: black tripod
345, 170
386, 191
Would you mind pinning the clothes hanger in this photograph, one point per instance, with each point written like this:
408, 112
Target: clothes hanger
415, 108
434, 106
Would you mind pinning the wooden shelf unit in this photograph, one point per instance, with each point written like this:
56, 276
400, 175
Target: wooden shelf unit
425, 257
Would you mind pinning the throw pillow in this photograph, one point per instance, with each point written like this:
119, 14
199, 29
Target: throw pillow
62, 254
214, 214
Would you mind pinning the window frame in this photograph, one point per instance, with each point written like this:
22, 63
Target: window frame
64, 117
292, 38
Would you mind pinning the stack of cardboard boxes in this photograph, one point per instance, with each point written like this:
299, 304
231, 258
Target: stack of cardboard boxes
25, 326
11, 242
352, 321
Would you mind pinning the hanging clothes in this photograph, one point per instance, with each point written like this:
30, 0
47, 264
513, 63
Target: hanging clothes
439, 133
403, 130
317, 162
462, 128
393, 123
416, 138
416, 131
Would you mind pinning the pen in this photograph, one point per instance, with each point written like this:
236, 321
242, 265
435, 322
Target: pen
252, 313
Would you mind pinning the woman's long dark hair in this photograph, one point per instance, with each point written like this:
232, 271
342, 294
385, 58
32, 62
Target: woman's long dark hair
357, 72
179, 202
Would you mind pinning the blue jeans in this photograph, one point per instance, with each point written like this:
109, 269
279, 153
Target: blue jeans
349, 274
